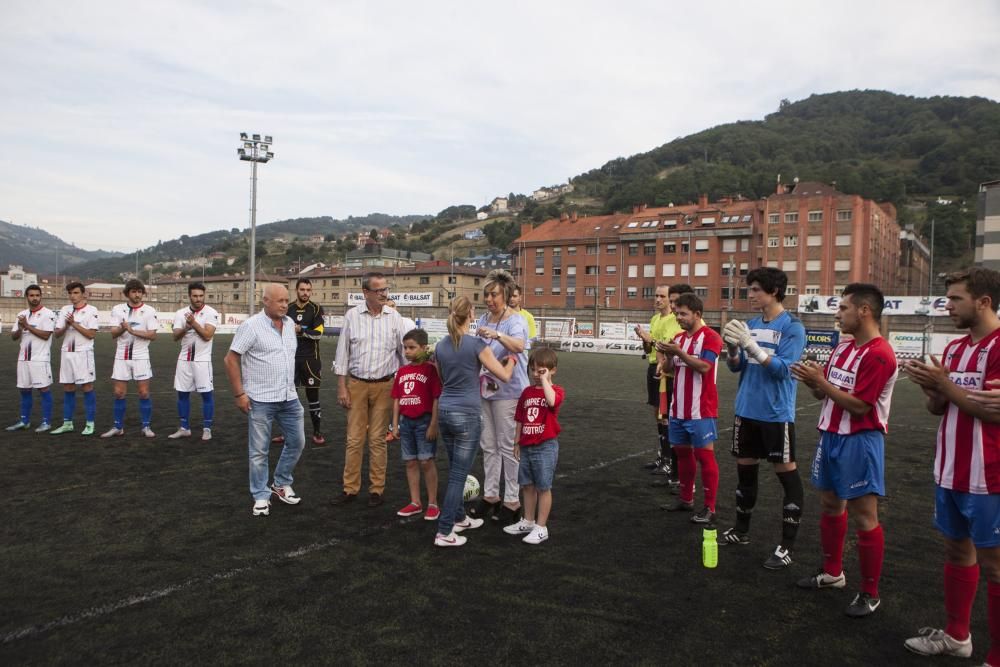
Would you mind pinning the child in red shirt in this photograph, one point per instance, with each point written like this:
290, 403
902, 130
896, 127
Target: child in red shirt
415, 393
536, 446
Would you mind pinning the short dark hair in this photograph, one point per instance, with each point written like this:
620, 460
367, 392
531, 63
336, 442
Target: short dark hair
680, 288
980, 282
366, 280
419, 336
544, 357
691, 301
32, 288
76, 284
303, 281
773, 281
133, 283
194, 286
868, 294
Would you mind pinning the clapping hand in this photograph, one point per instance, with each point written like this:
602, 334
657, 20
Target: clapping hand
737, 334
807, 372
988, 398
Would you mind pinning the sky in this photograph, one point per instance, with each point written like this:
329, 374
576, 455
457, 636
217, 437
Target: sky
120, 121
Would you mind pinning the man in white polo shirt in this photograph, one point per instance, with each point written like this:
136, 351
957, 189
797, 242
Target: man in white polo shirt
260, 365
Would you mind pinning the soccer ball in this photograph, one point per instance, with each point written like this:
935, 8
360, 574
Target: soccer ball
471, 489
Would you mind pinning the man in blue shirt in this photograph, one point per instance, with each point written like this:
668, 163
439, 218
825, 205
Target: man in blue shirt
762, 351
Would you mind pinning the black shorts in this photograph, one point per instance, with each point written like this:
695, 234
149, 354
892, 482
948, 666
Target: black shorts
307, 372
774, 441
653, 387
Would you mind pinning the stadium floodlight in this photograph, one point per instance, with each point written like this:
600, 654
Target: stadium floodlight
254, 151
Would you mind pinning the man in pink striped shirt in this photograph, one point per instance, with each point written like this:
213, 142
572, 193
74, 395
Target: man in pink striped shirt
967, 463
849, 467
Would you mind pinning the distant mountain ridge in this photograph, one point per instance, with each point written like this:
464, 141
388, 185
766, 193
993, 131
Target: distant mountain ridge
40, 252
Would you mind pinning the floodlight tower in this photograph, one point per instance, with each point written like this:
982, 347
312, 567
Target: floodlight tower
254, 150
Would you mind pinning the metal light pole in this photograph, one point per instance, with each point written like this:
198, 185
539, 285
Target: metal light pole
254, 150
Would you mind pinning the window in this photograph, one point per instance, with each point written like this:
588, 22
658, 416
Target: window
812, 289
669, 270
570, 291
475, 296
591, 271
789, 265
612, 249
648, 270
843, 239
844, 216
571, 250
742, 293
815, 216
590, 291
236, 297
424, 280
813, 265
842, 265
475, 281
773, 263
814, 240
236, 285
556, 271
708, 221
633, 292
648, 292
571, 270
791, 218
701, 245
633, 271
669, 248
726, 269
724, 293
539, 251
685, 246
701, 291
539, 291
745, 245
633, 248
452, 280
609, 291
745, 218
556, 252
791, 290
556, 290
592, 250
772, 241
335, 282
648, 248
701, 269
728, 245
611, 268
685, 270
744, 269
774, 218
539, 270
791, 241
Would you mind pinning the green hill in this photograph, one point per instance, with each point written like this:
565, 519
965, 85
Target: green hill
40, 252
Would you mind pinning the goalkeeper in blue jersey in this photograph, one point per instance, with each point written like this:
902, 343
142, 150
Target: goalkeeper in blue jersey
761, 351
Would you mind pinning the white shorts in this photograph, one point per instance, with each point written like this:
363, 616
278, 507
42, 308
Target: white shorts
77, 367
133, 369
193, 376
33, 374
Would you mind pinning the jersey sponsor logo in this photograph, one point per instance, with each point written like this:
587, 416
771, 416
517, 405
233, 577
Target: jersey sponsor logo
533, 414
841, 378
967, 380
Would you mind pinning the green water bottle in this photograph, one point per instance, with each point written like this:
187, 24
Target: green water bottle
709, 548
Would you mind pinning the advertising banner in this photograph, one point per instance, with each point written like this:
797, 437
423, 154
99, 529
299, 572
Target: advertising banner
910, 344
407, 299
822, 338
894, 305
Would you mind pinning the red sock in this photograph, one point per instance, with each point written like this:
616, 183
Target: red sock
960, 584
686, 469
709, 475
871, 550
993, 614
832, 531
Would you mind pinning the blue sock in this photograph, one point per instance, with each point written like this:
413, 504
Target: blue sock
119, 412
146, 411
184, 408
26, 402
69, 405
208, 408
90, 405
47, 406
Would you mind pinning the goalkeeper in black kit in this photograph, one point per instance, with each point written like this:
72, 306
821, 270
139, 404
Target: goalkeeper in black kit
308, 318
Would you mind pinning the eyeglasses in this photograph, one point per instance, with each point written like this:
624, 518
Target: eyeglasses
384, 290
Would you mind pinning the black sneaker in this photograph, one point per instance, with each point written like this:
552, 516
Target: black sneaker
653, 465
663, 469
678, 506
704, 515
730, 536
822, 580
506, 516
483, 510
862, 605
779, 560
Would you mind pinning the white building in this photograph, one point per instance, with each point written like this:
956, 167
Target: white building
14, 282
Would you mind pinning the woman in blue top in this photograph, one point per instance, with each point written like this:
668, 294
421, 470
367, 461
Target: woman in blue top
460, 358
507, 333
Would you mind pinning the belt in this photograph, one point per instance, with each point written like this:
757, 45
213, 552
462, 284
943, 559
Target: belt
373, 380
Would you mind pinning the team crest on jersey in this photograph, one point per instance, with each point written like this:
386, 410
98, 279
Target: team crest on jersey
408, 386
299, 317
532, 414
312, 381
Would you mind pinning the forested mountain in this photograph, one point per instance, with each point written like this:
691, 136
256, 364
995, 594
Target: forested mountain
41, 252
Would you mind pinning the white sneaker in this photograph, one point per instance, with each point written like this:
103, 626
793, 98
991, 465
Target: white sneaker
43, 427
148, 432
522, 527
206, 434
930, 641
451, 540
113, 432
261, 507
180, 433
538, 535
285, 494
468, 523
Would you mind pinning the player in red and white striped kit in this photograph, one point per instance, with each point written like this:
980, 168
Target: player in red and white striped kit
967, 463
849, 467
695, 405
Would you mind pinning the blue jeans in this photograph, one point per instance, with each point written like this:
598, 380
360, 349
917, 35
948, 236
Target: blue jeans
289, 416
413, 442
459, 431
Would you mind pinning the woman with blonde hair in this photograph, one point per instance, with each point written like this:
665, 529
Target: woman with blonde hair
460, 358
507, 333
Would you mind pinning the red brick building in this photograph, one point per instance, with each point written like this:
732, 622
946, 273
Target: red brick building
823, 239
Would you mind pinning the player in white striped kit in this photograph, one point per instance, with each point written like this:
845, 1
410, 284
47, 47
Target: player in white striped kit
194, 326
34, 330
